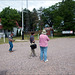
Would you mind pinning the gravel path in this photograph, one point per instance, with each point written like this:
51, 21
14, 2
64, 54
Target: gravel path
61, 56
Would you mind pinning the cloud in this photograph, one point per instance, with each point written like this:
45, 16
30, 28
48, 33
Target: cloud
44, 3
18, 4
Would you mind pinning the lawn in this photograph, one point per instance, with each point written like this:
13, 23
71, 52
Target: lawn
26, 37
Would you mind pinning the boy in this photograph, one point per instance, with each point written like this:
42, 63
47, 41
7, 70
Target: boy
32, 41
10, 42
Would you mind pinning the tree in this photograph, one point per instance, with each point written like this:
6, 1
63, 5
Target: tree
9, 17
34, 20
57, 23
40, 20
66, 10
26, 19
62, 11
30, 20
49, 14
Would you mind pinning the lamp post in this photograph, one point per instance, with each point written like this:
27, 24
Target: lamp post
23, 19
27, 16
22, 26
26, 4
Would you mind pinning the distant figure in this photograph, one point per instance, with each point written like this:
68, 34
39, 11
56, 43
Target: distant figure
43, 42
51, 32
32, 41
11, 42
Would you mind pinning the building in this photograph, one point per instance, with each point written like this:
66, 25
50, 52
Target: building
7, 32
49, 30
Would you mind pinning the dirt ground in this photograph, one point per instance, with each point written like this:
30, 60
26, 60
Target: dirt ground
61, 56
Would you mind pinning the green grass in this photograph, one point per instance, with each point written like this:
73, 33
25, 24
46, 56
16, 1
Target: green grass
26, 37
2, 40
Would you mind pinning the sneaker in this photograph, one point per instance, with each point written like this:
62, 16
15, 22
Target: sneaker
10, 51
46, 60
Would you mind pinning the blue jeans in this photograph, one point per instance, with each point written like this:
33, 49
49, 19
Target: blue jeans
43, 53
11, 46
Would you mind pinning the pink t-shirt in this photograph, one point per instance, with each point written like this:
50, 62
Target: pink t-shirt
43, 40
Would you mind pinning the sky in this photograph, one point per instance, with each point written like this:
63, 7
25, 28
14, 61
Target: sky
19, 4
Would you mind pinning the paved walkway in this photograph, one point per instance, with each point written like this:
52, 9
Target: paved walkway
61, 56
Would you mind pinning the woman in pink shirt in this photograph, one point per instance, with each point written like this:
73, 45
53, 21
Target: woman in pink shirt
43, 42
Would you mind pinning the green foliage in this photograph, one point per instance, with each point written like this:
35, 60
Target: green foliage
9, 18
62, 11
30, 20
67, 9
57, 23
